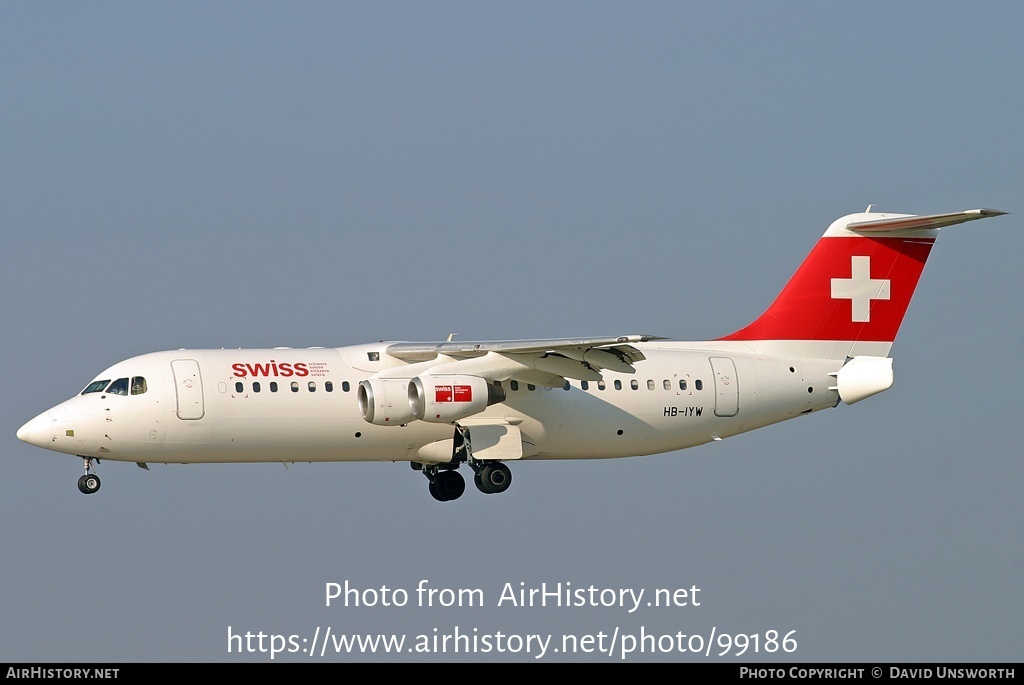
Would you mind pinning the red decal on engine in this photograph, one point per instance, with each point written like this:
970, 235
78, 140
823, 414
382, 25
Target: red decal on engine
453, 393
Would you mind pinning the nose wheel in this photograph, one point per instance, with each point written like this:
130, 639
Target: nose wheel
90, 482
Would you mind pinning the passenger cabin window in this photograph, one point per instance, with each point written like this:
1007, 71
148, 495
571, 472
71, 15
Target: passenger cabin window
699, 385
255, 386
295, 386
239, 387
633, 384
514, 385
139, 385
668, 384
345, 386
273, 386
96, 386
119, 387
682, 384
312, 386
585, 385
650, 385
618, 385
328, 386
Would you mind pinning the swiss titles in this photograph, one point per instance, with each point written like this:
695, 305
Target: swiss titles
271, 368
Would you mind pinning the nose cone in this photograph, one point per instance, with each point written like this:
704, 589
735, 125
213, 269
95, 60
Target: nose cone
37, 431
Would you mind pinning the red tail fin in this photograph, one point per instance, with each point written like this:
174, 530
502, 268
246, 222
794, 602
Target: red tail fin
853, 289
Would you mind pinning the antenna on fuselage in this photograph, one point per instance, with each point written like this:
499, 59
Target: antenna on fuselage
451, 336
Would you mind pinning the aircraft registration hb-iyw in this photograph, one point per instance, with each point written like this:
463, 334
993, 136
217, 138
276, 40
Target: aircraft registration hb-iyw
444, 405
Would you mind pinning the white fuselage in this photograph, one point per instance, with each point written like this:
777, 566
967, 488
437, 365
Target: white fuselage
299, 405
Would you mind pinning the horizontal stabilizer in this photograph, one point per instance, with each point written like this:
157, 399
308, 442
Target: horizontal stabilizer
903, 222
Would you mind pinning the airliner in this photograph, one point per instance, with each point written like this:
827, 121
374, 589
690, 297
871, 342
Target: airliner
454, 407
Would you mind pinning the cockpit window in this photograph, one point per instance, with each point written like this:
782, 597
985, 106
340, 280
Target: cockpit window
119, 387
95, 386
138, 385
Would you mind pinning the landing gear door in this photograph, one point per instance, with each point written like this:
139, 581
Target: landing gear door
497, 441
727, 388
188, 388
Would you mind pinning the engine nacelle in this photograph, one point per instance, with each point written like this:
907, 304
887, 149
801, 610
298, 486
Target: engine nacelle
443, 399
862, 377
385, 401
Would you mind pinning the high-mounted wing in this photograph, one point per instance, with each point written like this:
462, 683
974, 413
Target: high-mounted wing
409, 351
546, 362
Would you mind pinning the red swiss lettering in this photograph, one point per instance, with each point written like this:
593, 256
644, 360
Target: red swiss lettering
272, 368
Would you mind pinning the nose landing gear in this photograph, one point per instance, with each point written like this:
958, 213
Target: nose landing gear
90, 482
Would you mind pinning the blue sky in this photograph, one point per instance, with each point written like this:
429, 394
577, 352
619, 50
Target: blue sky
322, 174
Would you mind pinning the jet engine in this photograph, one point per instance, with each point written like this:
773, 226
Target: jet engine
443, 399
385, 401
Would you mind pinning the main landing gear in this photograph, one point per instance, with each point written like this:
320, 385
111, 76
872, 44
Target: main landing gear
491, 477
447, 484
90, 482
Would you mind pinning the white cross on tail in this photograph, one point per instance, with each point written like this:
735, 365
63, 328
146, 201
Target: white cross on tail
860, 289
